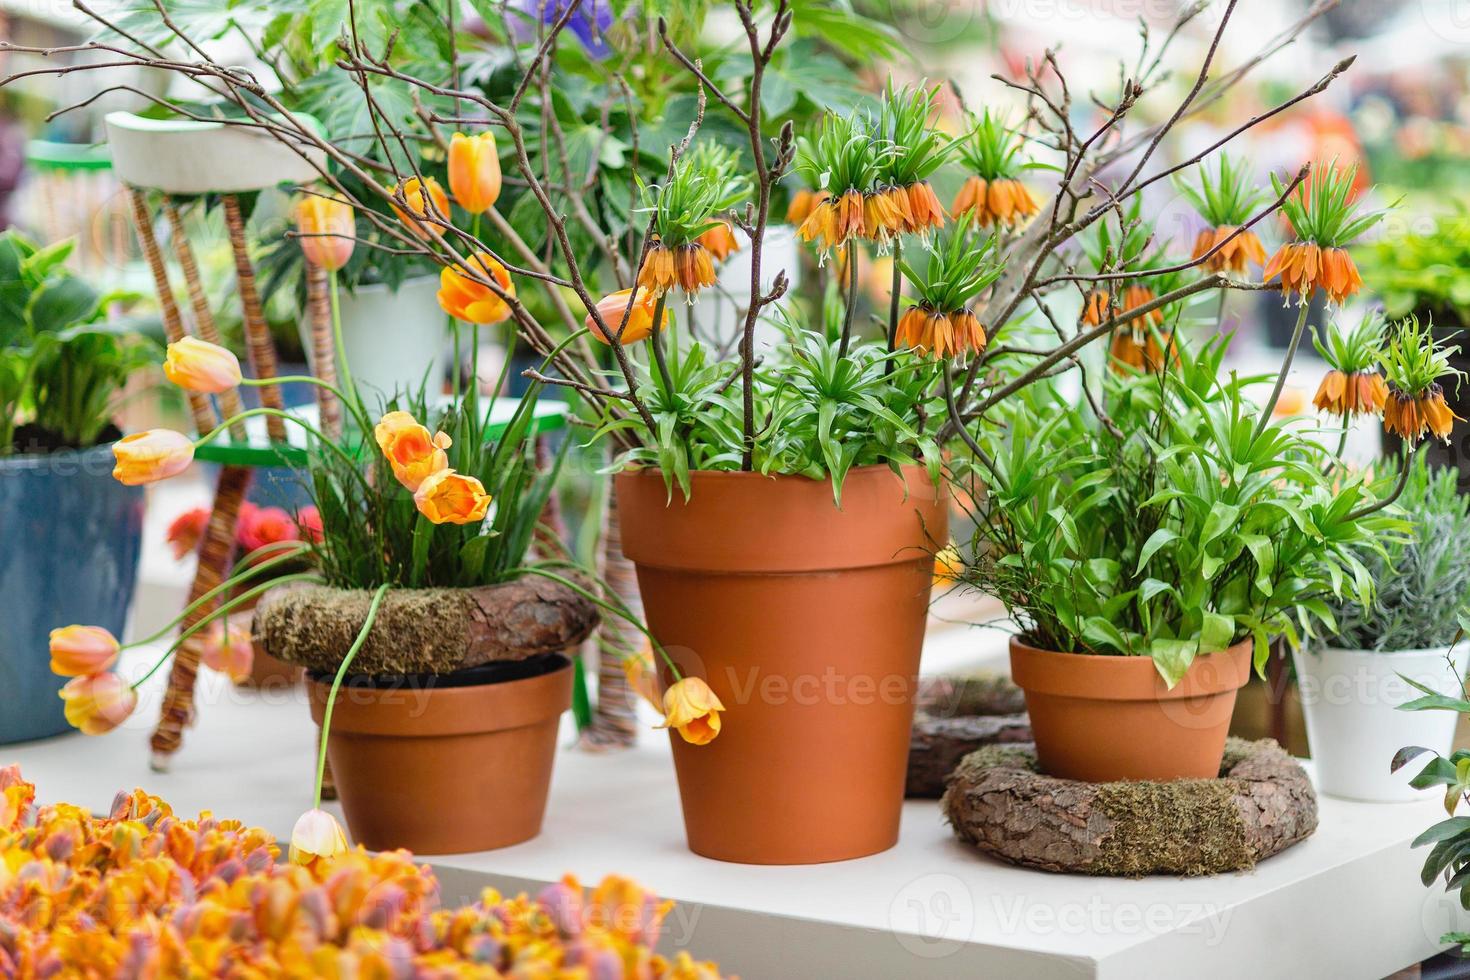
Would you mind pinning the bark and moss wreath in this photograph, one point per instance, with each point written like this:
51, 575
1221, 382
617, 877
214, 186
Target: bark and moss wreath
955, 716
423, 631
1261, 804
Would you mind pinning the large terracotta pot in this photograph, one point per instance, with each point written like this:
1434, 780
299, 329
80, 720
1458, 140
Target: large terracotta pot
441, 766
807, 621
1102, 719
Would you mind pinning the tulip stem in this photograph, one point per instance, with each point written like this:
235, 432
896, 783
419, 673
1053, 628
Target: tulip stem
299, 549
1296, 339
619, 610
362, 634
223, 610
352, 462
341, 350
312, 379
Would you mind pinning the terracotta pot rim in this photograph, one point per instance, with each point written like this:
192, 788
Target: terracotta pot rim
858, 472
470, 709
1100, 677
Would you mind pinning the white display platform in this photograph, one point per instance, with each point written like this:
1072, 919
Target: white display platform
1346, 903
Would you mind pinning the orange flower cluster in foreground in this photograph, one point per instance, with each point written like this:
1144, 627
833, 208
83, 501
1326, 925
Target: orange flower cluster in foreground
144, 893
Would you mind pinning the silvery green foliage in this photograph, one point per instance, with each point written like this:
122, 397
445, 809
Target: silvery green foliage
1423, 583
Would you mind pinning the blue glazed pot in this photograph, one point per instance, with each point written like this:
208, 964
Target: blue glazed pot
70, 537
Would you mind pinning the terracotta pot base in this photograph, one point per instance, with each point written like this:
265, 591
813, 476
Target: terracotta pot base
448, 768
807, 621
1104, 719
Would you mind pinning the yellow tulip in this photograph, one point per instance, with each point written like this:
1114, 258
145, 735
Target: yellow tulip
474, 302
640, 317
948, 565
693, 710
639, 670
427, 206
328, 230
80, 650
413, 453
147, 457
474, 171
98, 703
198, 365
447, 497
317, 835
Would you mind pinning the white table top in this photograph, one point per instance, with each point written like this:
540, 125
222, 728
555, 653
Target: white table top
1345, 903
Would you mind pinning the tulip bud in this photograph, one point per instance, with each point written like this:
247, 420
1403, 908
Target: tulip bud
693, 710
98, 703
80, 650
474, 302
447, 497
147, 457
228, 650
317, 834
639, 324
413, 453
427, 206
474, 171
197, 365
328, 230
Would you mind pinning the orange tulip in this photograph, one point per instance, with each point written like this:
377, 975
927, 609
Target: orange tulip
328, 230
639, 671
197, 365
947, 566
414, 454
147, 457
316, 836
471, 301
228, 650
98, 703
427, 204
474, 171
640, 317
80, 650
693, 710
448, 497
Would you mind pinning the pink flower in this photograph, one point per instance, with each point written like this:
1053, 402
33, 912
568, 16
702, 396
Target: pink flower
228, 651
261, 526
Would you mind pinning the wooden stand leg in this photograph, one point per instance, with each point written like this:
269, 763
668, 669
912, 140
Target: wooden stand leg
614, 722
323, 347
214, 565
258, 344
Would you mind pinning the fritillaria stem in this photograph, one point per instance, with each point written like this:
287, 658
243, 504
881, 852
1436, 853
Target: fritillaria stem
1296, 339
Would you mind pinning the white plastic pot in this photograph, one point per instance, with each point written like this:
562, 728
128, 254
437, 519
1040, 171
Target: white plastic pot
1351, 700
392, 340
721, 313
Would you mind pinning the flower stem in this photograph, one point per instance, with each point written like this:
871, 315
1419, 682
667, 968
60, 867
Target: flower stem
655, 341
1398, 490
341, 351
895, 295
362, 634
312, 379
850, 313
1296, 339
223, 610
299, 549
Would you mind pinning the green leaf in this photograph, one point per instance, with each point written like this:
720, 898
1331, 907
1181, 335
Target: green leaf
1216, 632
1155, 541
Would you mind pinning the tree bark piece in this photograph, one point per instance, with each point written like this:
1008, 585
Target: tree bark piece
1261, 804
423, 631
957, 715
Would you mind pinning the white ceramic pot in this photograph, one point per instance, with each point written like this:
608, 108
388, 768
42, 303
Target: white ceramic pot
1351, 701
391, 339
721, 313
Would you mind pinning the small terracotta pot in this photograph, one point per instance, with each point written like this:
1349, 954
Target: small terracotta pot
446, 769
1102, 719
269, 674
807, 621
